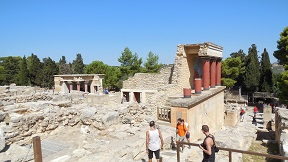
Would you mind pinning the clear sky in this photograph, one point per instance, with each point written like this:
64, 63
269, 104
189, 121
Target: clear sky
100, 30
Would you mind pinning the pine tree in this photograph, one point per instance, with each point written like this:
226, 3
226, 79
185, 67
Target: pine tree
24, 73
266, 83
252, 75
130, 64
50, 69
282, 53
152, 65
78, 65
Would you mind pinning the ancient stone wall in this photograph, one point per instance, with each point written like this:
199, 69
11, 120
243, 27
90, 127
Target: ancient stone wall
149, 81
281, 130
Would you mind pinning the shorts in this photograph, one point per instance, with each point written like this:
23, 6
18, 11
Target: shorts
156, 153
188, 135
180, 138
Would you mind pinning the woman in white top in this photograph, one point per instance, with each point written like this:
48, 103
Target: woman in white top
153, 139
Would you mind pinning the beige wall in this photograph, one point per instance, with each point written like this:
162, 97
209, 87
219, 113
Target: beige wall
209, 112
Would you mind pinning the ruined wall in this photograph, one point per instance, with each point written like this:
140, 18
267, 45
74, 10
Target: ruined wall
149, 81
281, 130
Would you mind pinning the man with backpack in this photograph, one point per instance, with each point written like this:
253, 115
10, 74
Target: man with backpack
181, 132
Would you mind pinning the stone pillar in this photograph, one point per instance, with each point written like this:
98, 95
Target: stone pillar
218, 73
213, 74
70, 86
206, 73
86, 86
78, 86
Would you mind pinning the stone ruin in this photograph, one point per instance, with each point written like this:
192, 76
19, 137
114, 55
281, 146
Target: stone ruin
29, 111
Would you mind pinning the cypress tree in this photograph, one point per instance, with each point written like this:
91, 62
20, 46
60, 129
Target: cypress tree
35, 71
252, 75
24, 74
50, 69
78, 65
64, 68
266, 73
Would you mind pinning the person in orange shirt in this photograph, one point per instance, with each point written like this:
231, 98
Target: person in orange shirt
181, 131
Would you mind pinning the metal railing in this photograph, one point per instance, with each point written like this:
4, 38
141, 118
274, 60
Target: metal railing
230, 152
164, 114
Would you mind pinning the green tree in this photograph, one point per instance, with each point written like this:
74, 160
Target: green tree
252, 75
24, 73
240, 54
50, 69
231, 70
11, 69
130, 64
152, 65
283, 86
35, 71
112, 74
64, 68
2, 75
282, 53
78, 65
266, 83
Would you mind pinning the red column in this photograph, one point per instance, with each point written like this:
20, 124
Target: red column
206, 73
78, 86
70, 86
198, 86
213, 74
218, 73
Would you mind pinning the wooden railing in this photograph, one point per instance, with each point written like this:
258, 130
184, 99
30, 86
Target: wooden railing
230, 152
164, 114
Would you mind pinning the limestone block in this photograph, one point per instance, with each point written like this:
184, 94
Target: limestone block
62, 159
15, 118
78, 153
110, 118
88, 112
2, 139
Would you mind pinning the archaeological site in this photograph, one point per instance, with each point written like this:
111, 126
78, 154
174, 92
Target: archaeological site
77, 121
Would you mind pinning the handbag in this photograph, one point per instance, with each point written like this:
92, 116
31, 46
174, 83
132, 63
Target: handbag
216, 149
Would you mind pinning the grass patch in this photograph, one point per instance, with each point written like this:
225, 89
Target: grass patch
258, 146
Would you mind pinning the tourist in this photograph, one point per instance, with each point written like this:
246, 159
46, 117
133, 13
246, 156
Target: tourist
242, 112
181, 131
188, 133
123, 99
208, 145
153, 139
255, 110
254, 120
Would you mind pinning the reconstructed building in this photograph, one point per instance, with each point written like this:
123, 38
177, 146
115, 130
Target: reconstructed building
189, 89
90, 83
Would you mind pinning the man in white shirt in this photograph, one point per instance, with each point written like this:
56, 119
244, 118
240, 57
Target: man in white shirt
153, 139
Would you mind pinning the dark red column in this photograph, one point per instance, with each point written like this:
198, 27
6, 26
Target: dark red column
78, 86
70, 86
198, 86
206, 73
218, 73
213, 74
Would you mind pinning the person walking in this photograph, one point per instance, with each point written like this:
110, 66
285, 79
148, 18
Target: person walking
181, 131
255, 110
208, 145
153, 139
188, 132
242, 112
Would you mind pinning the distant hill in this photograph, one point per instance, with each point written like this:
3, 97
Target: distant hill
277, 68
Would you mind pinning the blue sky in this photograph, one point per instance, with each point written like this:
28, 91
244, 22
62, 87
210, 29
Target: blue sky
100, 30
